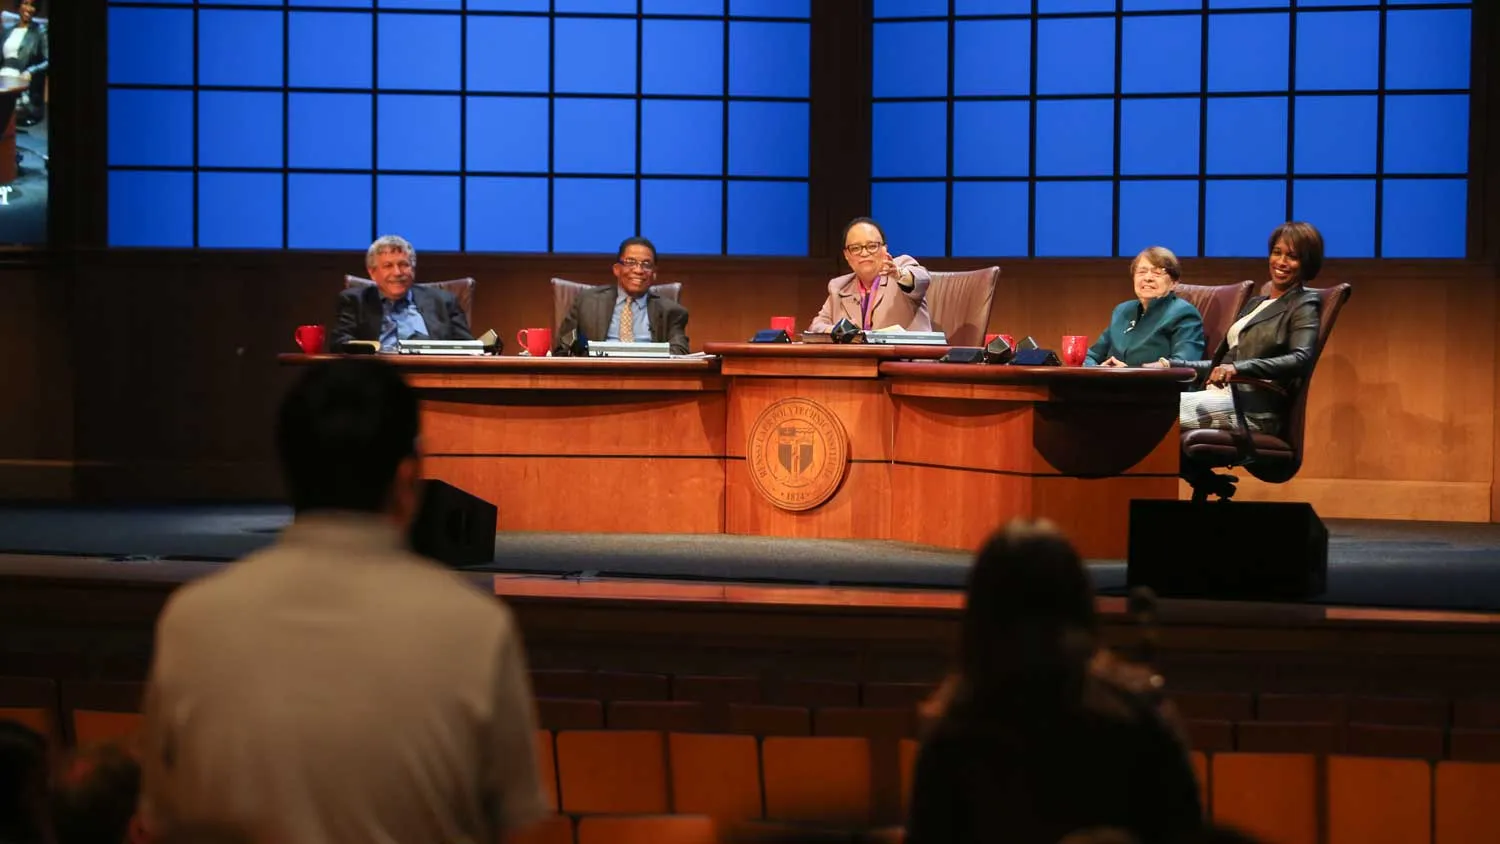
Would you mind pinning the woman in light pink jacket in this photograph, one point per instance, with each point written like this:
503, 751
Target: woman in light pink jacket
881, 292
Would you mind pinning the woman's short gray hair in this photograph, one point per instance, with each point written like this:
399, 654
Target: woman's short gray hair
1157, 256
390, 243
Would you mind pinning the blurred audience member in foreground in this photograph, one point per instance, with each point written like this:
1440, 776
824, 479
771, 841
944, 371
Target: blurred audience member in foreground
94, 801
337, 688
1041, 736
23, 785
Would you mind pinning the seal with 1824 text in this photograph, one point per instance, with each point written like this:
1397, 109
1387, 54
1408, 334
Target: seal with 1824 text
798, 453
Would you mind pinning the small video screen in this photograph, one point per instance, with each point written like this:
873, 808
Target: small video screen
23, 122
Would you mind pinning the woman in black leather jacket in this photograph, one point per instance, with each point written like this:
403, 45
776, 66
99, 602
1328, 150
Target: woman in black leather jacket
1272, 340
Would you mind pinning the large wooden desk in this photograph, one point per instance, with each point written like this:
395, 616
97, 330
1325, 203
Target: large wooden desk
937, 454
942, 454
577, 445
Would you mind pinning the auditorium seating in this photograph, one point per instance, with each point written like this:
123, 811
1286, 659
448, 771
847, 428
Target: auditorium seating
664, 785
1419, 727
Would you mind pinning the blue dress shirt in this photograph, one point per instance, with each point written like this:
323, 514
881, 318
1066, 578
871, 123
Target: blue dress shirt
642, 328
402, 321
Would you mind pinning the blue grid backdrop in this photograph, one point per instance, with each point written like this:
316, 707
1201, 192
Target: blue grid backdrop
1100, 127
486, 125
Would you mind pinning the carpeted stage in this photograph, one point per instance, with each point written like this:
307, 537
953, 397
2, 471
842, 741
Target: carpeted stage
1378, 564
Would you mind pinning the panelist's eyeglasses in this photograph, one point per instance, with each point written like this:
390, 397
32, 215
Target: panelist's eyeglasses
633, 264
863, 248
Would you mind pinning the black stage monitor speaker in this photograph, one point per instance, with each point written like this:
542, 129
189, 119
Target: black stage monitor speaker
1235, 550
454, 527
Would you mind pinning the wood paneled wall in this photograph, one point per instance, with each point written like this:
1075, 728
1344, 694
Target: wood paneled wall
36, 385
153, 375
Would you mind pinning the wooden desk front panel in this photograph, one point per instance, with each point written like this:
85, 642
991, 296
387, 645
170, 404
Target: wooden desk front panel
594, 494
860, 509
967, 467
1051, 438
956, 508
969, 457
585, 461
573, 424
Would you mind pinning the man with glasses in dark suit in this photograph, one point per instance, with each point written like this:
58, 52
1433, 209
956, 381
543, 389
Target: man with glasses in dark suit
628, 311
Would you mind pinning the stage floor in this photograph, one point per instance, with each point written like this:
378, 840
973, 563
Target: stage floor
1377, 564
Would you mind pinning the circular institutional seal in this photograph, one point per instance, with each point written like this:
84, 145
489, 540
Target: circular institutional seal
798, 453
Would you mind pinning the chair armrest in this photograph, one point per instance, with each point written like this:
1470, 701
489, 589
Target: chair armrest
1259, 383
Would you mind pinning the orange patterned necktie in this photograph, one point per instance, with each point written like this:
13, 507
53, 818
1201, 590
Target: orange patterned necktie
627, 322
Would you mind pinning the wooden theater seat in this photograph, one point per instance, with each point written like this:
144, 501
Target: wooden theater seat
764, 720
665, 829
1271, 796
569, 714
1379, 801
1465, 808
817, 779
31, 701
557, 829
682, 716
99, 712
612, 771
723, 690
865, 722
715, 775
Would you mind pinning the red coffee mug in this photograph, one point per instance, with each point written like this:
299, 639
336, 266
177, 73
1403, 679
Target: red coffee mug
785, 323
1075, 347
310, 338
536, 341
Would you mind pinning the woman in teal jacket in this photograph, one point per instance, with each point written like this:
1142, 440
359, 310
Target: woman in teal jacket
1156, 325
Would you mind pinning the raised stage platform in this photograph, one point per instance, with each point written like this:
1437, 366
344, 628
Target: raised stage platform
1375, 564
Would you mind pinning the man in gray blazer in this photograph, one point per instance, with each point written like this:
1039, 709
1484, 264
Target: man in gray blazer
627, 311
393, 309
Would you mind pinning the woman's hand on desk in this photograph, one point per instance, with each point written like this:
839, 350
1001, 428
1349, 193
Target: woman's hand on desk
1221, 375
1113, 361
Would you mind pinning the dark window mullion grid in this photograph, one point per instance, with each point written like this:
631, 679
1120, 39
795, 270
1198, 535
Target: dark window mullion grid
948, 168
1031, 147
1203, 133
1155, 95
1380, 135
1114, 217
463, 126
1291, 109
286, 125
602, 95
724, 136
374, 123
551, 122
196, 11
640, 79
